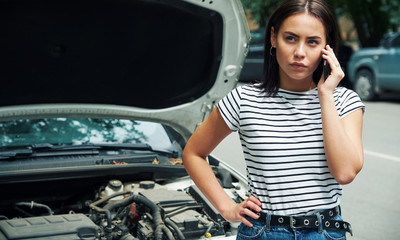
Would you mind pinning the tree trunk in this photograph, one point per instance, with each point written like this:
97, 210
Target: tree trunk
370, 22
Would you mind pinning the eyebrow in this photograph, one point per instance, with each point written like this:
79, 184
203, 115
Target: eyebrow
295, 35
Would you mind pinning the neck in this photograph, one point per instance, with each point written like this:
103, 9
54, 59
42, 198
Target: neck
296, 85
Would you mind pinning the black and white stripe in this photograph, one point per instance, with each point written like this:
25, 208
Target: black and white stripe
283, 146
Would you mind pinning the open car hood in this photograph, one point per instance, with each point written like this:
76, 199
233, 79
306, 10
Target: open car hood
168, 61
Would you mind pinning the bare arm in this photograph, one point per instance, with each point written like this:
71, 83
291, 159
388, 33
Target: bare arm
342, 137
342, 142
207, 136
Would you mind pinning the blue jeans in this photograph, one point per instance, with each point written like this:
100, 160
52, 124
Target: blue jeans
262, 230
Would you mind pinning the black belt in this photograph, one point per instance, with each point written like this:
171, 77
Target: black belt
310, 221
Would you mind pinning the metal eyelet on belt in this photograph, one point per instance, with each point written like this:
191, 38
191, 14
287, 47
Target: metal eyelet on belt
337, 225
306, 222
316, 223
345, 225
280, 220
322, 217
331, 213
327, 224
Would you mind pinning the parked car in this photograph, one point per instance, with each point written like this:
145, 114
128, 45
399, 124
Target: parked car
98, 99
374, 71
254, 62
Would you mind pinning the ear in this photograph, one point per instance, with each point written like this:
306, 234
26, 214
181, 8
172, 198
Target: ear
273, 37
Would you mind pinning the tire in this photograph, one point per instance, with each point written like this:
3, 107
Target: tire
365, 85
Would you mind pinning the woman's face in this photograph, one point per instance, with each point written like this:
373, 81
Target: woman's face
298, 44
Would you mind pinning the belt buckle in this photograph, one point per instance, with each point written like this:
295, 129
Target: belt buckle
292, 221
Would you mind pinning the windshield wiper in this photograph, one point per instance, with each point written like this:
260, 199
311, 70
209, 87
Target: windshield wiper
50, 150
15, 153
133, 146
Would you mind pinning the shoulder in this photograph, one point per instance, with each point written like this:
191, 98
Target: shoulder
243, 94
343, 92
250, 90
347, 101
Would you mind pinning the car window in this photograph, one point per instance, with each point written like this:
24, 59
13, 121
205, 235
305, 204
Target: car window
257, 36
396, 42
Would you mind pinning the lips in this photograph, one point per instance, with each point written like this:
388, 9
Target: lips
297, 65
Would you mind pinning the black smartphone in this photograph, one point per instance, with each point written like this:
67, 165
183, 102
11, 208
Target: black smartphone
327, 70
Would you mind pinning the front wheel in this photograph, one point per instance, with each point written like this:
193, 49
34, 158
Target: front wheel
365, 85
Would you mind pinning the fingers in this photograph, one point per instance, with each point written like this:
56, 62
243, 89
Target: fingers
333, 62
250, 207
247, 212
253, 203
246, 222
329, 55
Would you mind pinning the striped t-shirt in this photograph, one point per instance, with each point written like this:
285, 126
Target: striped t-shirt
283, 146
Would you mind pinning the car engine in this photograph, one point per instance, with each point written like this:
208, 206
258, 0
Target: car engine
127, 211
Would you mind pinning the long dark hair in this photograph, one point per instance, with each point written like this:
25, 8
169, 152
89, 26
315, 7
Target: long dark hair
317, 8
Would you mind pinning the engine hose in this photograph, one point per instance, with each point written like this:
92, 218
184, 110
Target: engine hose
167, 232
107, 212
155, 212
159, 232
169, 222
128, 236
103, 200
206, 223
32, 205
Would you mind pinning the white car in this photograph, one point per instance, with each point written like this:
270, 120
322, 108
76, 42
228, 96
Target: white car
98, 99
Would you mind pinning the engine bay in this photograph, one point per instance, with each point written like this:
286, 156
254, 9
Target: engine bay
115, 209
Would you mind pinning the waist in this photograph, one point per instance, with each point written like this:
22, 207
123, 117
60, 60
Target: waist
320, 219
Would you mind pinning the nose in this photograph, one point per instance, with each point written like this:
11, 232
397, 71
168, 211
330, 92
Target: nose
299, 52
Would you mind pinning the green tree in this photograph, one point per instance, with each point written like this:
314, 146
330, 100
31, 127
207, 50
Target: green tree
371, 18
393, 10
261, 9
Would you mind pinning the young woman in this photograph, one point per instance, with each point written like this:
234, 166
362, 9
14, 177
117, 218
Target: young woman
301, 134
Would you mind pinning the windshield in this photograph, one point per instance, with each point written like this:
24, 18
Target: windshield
75, 131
